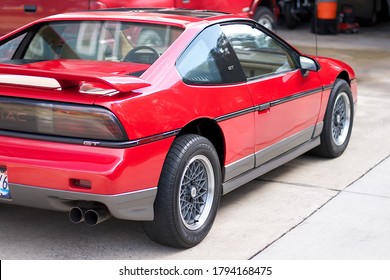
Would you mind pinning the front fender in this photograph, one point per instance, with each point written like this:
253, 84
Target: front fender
330, 70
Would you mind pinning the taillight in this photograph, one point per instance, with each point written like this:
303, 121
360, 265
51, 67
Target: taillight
57, 119
91, 123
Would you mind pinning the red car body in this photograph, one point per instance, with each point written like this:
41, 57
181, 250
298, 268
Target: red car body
54, 158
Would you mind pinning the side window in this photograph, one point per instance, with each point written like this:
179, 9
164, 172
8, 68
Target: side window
7, 50
69, 40
210, 59
258, 53
44, 44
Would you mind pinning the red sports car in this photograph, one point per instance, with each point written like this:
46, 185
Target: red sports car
153, 114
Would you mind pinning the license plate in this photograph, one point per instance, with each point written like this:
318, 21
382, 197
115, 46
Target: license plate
4, 188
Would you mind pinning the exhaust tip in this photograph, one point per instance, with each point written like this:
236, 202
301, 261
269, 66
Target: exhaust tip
93, 217
76, 215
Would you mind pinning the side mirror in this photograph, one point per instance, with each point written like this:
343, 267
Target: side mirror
308, 64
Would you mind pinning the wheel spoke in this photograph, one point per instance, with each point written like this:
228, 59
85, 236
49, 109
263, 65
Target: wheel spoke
185, 210
194, 199
340, 119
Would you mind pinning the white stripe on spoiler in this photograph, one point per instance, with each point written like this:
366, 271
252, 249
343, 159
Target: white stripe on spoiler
42, 82
44, 78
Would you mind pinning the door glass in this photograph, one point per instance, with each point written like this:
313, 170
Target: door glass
210, 59
258, 53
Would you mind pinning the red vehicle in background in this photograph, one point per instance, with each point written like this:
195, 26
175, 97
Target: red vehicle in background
265, 12
16, 13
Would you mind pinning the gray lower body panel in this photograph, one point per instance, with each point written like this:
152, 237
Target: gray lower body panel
255, 165
129, 206
284, 146
238, 181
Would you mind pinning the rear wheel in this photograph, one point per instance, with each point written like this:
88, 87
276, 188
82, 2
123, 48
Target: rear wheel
338, 121
188, 193
265, 17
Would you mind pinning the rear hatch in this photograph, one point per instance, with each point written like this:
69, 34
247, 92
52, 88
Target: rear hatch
67, 80
54, 98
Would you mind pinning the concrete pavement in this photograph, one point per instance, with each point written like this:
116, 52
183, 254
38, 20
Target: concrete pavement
355, 223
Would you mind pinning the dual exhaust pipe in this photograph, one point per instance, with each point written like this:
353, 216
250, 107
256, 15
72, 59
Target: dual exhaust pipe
91, 216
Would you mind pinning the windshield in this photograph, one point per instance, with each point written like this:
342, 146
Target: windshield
101, 40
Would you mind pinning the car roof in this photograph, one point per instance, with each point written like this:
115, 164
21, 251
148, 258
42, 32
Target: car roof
168, 11
180, 17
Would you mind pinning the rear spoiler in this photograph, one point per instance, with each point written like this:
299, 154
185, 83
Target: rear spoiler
66, 80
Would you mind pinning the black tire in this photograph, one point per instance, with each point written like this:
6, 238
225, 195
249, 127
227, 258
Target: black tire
265, 17
290, 18
338, 121
187, 201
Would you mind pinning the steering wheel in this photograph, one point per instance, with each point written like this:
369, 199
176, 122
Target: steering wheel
134, 56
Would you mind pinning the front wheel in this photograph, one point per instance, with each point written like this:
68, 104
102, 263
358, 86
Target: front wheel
188, 193
338, 121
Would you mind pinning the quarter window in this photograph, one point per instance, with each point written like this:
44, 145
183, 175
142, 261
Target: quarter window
258, 53
7, 50
210, 59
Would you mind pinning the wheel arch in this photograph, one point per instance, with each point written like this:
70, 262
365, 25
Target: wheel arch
210, 130
263, 3
344, 76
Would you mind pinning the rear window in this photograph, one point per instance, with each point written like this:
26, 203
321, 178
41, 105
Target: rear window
101, 40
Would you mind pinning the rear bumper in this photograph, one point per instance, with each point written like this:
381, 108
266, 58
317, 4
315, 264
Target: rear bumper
47, 175
83, 169
137, 205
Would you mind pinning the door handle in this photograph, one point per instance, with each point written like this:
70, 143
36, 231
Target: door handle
30, 8
263, 107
